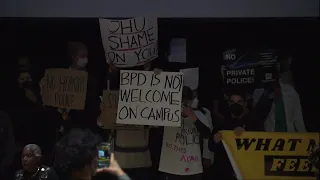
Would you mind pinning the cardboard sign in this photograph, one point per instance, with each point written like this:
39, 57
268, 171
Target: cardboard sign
130, 42
149, 99
271, 155
109, 115
64, 88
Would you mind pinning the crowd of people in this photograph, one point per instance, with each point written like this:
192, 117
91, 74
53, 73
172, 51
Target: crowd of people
40, 142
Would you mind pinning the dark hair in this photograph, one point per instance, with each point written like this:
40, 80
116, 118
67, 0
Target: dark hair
241, 94
187, 93
74, 47
74, 151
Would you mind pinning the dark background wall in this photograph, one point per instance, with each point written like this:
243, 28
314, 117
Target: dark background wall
44, 41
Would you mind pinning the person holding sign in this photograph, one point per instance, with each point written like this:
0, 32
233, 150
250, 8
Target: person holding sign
131, 143
77, 60
181, 156
285, 113
238, 120
67, 89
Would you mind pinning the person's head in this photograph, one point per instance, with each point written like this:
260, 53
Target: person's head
24, 64
237, 104
31, 157
78, 53
195, 100
24, 78
190, 97
187, 96
147, 66
77, 155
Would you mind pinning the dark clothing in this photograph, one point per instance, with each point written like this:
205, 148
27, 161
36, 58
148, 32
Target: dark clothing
202, 129
252, 121
138, 173
222, 168
177, 177
43, 173
6, 144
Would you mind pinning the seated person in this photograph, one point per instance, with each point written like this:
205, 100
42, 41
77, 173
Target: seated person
32, 168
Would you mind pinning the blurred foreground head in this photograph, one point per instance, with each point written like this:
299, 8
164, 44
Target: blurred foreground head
77, 155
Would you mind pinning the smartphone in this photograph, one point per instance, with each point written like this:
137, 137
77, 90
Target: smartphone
104, 152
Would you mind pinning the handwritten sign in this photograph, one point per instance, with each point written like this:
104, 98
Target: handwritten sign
130, 42
181, 154
65, 88
149, 99
109, 115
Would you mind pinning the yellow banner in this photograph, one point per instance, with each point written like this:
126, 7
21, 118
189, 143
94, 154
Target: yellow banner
262, 156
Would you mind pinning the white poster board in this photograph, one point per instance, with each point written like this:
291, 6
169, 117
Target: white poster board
191, 78
181, 153
178, 50
130, 42
149, 99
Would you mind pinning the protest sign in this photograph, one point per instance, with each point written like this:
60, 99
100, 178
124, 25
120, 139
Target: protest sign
64, 88
146, 98
238, 68
242, 68
261, 155
191, 78
109, 115
178, 50
268, 71
130, 42
181, 154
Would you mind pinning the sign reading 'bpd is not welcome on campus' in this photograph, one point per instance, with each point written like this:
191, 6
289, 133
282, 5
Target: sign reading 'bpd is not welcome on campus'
149, 99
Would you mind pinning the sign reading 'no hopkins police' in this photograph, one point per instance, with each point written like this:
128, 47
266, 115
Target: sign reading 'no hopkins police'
260, 155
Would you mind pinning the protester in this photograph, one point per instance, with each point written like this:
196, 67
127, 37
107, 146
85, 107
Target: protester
131, 146
77, 60
207, 155
24, 64
193, 120
285, 113
314, 158
238, 121
77, 157
7, 149
28, 113
32, 168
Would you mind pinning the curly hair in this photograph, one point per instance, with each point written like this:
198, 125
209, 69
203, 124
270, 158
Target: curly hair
74, 151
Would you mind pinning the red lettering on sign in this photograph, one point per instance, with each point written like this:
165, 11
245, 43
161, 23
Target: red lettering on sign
189, 158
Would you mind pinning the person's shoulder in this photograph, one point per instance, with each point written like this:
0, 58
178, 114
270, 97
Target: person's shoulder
288, 89
19, 174
206, 110
44, 168
47, 173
